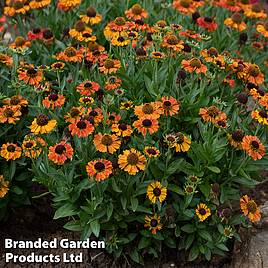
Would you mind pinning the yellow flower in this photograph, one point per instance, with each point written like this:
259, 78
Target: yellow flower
4, 186
202, 211
42, 124
156, 192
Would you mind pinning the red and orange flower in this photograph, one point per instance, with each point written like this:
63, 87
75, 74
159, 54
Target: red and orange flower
100, 169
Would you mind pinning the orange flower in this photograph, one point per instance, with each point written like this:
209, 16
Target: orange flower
79, 30
101, 169
194, 65
16, 7
70, 54
32, 146
60, 152
91, 16
109, 66
10, 151
253, 147
16, 100
236, 22
261, 116
152, 109
6, 59
20, 43
255, 11
232, 5
67, 5
88, 88
236, 138
170, 105
94, 116
250, 208
81, 128
122, 130
263, 29
106, 143
184, 6
152, 152
31, 76
207, 23
136, 12
132, 161
75, 114
146, 124
53, 100
112, 83
113, 118
212, 114
35, 4
254, 74
172, 42
209, 54
10, 114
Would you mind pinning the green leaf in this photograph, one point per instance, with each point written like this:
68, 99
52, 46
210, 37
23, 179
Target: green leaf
194, 252
214, 169
123, 200
17, 190
170, 242
205, 234
95, 227
64, 211
208, 254
109, 210
176, 189
188, 228
134, 255
73, 226
115, 187
144, 243
134, 203
177, 231
189, 241
222, 247
174, 166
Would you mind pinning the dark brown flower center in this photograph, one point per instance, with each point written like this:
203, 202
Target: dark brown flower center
42, 120
29, 144
153, 223
151, 151
161, 24
208, 20
60, 149
120, 21
195, 63
70, 52
167, 104
53, 97
213, 111
74, 112
107, 140
120, 39
185, 3
257, 8
36, 30
11, 148
157, 54
86, 35
263, 114
189, 189
180, 138
58, 65
147, 108
93, 113
136, 9
99, 166
252, 207
255, 145
238, 136
147, 123
108, 64
81, 124
202, 211
254, 70
47, 34
18, 5
221, 123
237, 18
157, 192
122, 127
19, 41
8, 112
172, 40
213, 52
31, 72
91, 12
80, 26
133, 159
